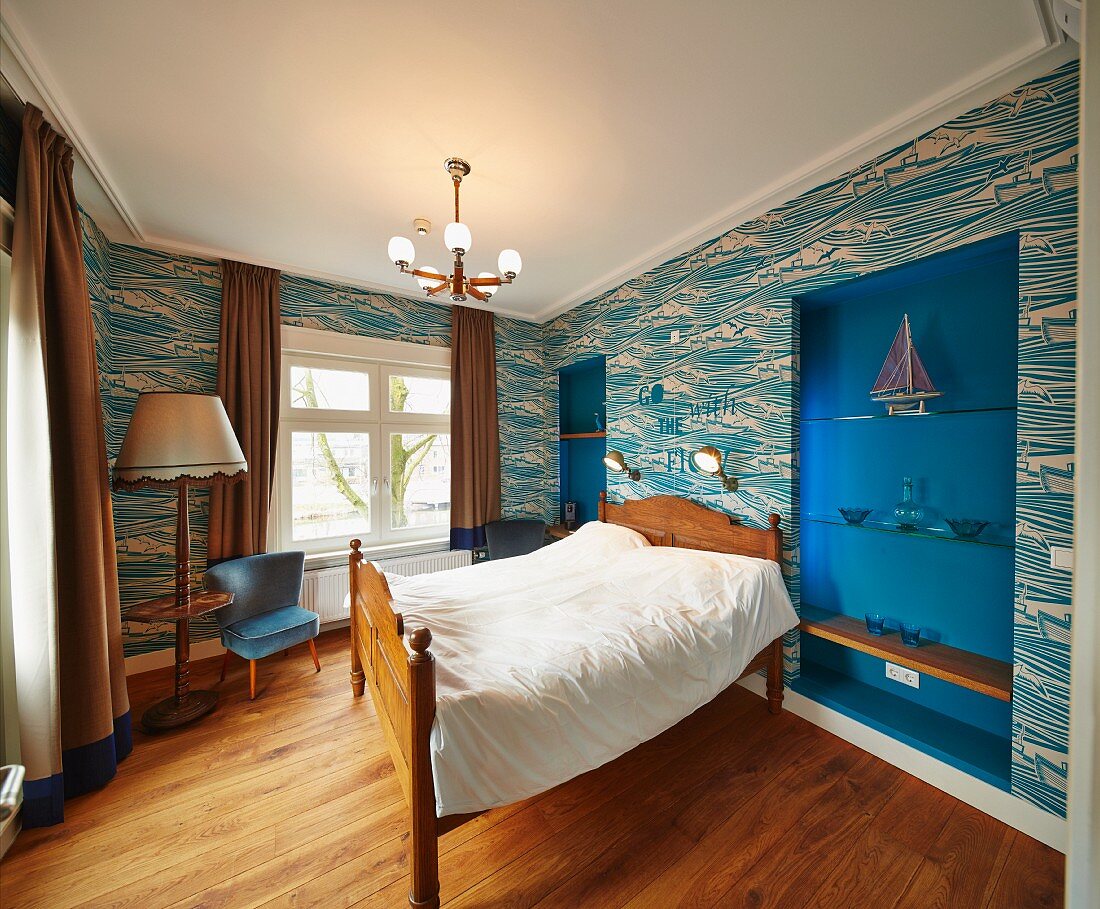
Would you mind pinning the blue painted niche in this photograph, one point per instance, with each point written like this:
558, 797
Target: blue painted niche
582, 389
963, 311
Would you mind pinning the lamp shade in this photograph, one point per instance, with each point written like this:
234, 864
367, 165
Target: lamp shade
708, 459
614, 461
176, 436
428, 283
400, 250
509, 263
457, 237
488, 289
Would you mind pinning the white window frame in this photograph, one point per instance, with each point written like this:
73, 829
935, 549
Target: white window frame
379, 359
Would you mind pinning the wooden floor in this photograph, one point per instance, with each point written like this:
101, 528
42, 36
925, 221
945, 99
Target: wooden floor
291, 801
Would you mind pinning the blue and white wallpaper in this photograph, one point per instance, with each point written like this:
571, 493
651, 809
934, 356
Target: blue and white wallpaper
157, 321
731, 380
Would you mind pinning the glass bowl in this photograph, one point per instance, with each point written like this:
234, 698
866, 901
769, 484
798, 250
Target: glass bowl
966, 528
853, 515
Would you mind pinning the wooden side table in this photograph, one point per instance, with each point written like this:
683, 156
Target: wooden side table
185, 705
558, 531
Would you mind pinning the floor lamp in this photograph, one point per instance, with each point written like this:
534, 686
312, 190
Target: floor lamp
176, 440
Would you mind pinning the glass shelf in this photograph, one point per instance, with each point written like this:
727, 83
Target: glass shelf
926, 533
909, 415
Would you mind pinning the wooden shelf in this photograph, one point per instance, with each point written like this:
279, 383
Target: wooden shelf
960, 667
583, 435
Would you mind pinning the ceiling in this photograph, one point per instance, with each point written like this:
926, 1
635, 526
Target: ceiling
604, 136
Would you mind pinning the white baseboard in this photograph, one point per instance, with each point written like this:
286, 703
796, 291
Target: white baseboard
997, 803
200, 650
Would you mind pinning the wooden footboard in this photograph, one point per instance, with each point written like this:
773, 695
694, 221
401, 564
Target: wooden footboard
402, 685
400, 670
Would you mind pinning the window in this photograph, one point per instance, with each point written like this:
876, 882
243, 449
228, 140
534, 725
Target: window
364, 443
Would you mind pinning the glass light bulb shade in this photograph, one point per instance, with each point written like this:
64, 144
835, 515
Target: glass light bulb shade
614, 461
489, 289
708, 459
456, 235
401, 249
509, 264
429, 283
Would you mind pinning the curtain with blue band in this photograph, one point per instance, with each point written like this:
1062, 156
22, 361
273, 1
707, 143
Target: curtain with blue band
74, 712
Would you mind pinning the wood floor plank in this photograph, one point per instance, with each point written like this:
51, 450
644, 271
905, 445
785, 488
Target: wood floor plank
881, 864
724, 854
788, 875
291, 801
963, 864
1032, 877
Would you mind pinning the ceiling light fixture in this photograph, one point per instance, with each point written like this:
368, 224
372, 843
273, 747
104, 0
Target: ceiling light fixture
458, 239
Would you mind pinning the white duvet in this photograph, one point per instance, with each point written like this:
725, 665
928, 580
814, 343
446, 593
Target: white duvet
551, 664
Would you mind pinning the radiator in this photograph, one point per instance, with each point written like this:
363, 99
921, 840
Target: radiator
325, 590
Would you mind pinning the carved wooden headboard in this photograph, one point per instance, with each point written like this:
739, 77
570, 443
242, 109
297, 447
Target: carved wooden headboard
670, 521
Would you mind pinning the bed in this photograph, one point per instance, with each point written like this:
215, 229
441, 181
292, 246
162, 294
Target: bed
545, 666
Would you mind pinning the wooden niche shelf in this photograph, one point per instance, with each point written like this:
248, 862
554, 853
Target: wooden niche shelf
583, 435
960, 667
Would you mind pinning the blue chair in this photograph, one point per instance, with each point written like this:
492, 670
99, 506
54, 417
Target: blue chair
264, 616
514, 538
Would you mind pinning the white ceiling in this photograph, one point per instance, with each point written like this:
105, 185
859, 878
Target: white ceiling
604, 136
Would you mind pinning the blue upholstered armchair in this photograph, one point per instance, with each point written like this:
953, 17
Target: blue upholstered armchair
513, 538
264, 616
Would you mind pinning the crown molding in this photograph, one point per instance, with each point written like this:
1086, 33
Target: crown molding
60, 111
994, 80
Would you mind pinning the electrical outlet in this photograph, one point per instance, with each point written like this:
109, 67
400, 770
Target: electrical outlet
674, 338
908, 677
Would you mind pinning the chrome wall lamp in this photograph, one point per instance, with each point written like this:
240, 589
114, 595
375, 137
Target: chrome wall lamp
708, 460
616, 463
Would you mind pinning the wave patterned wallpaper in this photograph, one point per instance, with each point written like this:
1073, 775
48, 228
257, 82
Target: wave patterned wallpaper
157, 322
731, 381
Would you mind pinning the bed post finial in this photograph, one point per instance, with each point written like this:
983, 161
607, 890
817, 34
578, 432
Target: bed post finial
420, 640
355, 544
773, 520
601, 508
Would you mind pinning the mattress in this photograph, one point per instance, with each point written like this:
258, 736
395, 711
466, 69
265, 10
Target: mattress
551, 664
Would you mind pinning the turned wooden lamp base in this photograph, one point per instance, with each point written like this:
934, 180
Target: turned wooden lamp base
170, 713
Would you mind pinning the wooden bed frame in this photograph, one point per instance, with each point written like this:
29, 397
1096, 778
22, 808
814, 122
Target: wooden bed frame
401, 670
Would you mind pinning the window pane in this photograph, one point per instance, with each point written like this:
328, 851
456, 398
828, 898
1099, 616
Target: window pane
330, 484
329, 389
416, 394
420, 479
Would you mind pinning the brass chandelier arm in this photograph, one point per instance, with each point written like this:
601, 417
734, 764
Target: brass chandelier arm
475, 293
432, 291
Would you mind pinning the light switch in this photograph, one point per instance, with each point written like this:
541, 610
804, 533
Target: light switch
1061, 557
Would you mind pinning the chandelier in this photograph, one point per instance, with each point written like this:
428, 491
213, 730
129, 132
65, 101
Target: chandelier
457, 239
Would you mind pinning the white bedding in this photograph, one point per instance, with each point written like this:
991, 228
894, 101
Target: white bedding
551, 664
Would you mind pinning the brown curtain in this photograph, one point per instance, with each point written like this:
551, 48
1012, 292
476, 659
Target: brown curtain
475, 436
248, 382
48, 266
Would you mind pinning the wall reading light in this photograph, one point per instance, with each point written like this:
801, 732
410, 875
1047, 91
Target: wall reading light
708, 460
616, 463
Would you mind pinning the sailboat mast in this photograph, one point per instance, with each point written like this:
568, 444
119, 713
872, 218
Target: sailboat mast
909, 353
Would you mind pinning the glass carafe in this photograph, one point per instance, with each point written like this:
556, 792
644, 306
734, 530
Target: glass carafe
908, 513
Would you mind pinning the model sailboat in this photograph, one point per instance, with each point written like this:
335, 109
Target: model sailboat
903, 382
